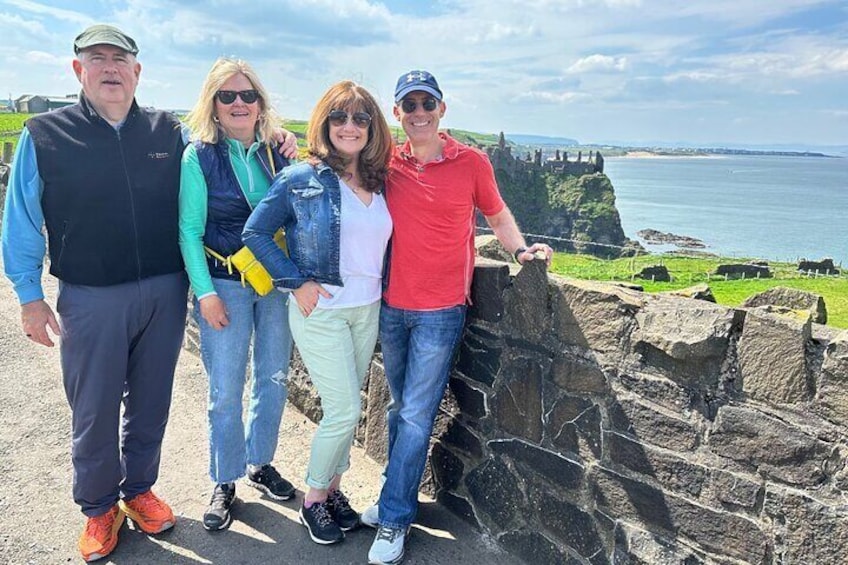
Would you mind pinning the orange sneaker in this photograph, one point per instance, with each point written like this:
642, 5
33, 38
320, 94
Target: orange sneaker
100, 535
149, 512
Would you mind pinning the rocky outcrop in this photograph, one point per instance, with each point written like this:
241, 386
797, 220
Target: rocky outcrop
577, 211
655, 273
654, 237
750, 270
823, 267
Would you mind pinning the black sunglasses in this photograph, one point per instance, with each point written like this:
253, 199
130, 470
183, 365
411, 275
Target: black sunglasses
229, 96
339, 118
408, 105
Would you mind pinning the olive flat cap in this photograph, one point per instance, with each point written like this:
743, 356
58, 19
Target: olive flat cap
102, 34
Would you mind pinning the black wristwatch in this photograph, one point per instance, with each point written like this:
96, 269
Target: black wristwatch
518, 252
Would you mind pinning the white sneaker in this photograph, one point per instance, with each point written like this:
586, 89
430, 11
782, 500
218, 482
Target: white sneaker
371, 516
387, 548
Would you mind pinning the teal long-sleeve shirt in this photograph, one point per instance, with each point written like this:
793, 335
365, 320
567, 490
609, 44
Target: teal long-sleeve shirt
194, 205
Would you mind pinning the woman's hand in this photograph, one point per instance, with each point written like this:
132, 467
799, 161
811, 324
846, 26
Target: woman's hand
286, 143
214, 312
307, 296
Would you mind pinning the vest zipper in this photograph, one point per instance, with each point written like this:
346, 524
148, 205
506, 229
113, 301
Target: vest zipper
132, 203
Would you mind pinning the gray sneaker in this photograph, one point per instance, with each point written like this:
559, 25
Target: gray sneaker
371, 516
217, 516
387, 548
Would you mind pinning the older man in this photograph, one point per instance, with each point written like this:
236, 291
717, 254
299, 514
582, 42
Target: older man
103, 177
435, 187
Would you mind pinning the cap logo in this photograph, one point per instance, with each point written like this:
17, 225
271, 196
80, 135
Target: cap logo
412, 77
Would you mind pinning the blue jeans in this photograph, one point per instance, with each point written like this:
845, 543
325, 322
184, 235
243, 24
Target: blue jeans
232, 444
418, 350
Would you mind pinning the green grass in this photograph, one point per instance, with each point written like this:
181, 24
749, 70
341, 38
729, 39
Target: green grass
688, 271
10, 128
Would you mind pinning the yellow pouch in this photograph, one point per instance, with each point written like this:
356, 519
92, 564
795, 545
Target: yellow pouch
249, 267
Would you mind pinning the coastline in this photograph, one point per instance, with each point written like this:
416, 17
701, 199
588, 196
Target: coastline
652, 155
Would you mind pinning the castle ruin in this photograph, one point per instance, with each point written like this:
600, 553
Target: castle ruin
502, 159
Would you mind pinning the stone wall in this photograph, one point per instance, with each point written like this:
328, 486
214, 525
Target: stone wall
590, 423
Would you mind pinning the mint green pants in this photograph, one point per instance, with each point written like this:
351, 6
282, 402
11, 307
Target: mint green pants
336, 346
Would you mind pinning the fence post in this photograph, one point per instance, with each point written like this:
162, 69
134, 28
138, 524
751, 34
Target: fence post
7, 152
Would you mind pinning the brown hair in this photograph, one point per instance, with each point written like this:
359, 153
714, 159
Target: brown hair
374, 158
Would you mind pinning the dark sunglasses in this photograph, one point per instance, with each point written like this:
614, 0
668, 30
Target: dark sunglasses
408, 105
229, 96
339, 118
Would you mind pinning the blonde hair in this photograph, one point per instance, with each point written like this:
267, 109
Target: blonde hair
374, 158
200, 119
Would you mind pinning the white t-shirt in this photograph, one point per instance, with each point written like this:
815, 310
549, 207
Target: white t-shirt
364, 234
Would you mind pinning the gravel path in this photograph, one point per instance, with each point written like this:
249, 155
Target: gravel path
39, 523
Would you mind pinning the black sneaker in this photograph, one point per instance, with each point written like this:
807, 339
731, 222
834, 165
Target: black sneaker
322, 528
269, 481
217, 516
339, 506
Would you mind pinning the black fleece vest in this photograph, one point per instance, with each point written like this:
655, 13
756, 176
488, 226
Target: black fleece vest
110, 197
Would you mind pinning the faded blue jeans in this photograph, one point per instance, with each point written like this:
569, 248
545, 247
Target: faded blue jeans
233, 444
418, 351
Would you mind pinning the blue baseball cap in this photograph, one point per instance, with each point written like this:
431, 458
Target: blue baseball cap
417, 80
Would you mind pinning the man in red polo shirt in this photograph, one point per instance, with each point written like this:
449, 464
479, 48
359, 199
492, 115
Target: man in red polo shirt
434, 188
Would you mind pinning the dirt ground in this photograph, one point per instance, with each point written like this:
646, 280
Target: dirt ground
39, 523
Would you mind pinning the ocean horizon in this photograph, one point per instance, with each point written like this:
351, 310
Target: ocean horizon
777, 208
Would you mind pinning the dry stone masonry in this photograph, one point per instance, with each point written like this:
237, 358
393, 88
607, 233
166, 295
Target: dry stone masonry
588, 423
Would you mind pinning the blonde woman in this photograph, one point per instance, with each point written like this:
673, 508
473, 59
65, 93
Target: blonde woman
337, 228
225, 173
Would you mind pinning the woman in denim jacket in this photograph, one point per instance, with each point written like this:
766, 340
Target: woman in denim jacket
337, 229
225, 172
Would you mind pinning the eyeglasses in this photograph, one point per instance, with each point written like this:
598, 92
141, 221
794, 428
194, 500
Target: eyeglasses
409, 105
229, 96
338, 118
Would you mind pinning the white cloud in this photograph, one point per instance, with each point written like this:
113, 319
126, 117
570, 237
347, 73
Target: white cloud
43, 58
47, 10
692, 76
644, 68
598, 64
544, 97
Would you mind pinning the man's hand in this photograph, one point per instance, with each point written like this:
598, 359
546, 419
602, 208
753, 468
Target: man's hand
214, 311
36, 317
307, 296
286, 143
530, 253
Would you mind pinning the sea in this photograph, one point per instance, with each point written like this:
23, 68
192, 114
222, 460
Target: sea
779, 208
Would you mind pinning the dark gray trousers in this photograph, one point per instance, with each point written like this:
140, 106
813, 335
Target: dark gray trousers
120, 346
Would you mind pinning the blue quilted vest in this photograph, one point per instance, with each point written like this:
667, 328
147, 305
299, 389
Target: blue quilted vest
227, 207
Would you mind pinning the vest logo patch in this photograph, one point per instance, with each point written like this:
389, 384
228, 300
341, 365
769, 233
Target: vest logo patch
157, 155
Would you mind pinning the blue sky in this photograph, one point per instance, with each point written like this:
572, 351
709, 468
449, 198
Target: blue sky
629, 71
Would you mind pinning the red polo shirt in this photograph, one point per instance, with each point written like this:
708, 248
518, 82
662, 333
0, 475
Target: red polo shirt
433, 207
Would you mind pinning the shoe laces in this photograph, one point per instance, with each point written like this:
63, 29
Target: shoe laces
389, 534
147, 502
322, 515
98, 527
338, 499
220, 495
271, 474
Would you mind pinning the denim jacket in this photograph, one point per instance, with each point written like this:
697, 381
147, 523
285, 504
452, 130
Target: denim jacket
305, 201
